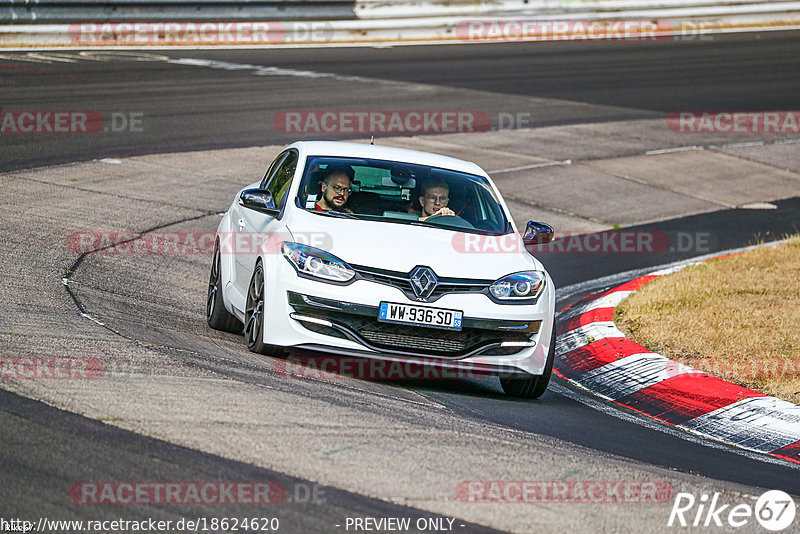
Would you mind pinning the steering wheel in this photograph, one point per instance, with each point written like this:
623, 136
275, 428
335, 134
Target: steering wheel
449, 220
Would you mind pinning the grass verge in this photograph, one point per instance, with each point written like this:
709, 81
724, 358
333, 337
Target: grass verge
736, 318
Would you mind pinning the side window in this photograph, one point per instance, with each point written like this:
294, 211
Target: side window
271, 169
282, 179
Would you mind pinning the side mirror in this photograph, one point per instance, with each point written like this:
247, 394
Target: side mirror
258, 200
537, 233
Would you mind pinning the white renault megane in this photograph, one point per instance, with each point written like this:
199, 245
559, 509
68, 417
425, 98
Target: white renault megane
377, 252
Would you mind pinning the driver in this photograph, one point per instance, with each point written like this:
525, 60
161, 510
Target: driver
434, 199
335, 189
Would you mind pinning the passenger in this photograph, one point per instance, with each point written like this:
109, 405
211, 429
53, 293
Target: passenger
335, 189
434, 199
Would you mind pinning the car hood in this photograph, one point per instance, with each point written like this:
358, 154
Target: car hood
401, 247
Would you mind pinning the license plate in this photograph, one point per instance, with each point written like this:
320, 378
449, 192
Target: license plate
390, 312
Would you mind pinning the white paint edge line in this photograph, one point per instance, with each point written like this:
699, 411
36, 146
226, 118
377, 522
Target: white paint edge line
660, 151
671, 150
738, 145
533, 166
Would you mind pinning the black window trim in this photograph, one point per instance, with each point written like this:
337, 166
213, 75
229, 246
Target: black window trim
286, 154
274, 166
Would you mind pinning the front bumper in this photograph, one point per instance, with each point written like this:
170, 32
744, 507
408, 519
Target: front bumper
303, 313
358, 322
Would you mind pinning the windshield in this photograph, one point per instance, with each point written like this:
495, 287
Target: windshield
402, 193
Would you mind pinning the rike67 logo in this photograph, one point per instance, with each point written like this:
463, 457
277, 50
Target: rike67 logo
774, 510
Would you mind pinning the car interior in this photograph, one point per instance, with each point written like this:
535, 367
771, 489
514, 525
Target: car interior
391, 190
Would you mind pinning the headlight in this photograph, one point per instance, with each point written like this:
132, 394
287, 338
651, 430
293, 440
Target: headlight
317, 263
526, 285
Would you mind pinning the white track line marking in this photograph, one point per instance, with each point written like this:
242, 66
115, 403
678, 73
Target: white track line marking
671, 150
533, 166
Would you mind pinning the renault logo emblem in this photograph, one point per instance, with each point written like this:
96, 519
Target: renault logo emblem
423, 282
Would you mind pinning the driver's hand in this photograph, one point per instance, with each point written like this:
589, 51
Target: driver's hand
445, 211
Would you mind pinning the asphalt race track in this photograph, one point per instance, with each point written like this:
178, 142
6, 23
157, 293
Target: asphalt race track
185, 403
190, 107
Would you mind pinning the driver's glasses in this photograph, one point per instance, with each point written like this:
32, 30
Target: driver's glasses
437, 199
340, 190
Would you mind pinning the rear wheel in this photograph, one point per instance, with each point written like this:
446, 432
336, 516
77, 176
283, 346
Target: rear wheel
532, 386
217, 316
254, 316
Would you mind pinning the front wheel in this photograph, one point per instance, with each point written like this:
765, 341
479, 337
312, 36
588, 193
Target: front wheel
254, 316
217, 316
532, 386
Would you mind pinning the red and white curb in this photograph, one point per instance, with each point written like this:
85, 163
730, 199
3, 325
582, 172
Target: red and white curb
595, 355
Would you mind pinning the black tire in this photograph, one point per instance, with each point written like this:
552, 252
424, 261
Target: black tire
217, 316
254, 316
532, 386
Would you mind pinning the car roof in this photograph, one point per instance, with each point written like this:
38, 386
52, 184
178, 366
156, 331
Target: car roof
377, 151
